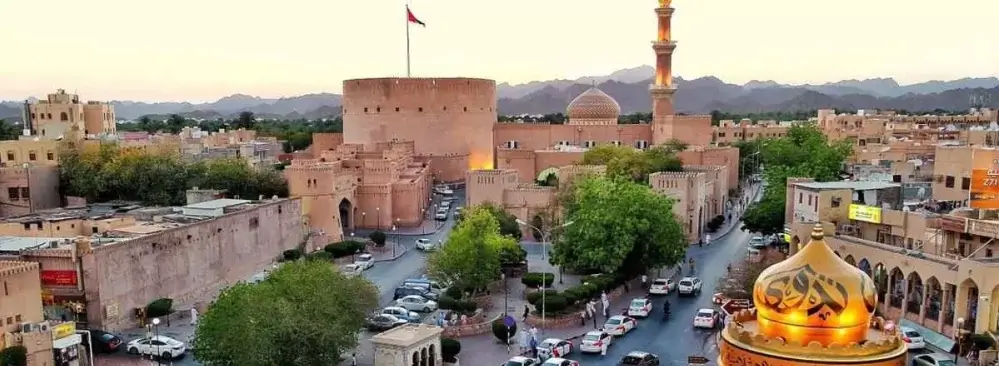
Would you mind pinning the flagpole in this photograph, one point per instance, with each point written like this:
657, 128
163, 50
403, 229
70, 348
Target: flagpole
407, 42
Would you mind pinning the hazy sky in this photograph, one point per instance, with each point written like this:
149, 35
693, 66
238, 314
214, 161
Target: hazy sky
202, 50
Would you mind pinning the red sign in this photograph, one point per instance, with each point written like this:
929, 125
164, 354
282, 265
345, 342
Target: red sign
735, 305
59, 278
951, 223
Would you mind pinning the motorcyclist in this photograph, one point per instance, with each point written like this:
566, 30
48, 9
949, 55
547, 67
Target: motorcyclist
666, 309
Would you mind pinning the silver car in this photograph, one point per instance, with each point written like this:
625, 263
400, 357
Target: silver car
417, 303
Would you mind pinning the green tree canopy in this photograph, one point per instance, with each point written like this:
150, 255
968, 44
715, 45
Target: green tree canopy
618, 226
471, 256
8, 130
803, 152
304, 313
508, 225
634, 164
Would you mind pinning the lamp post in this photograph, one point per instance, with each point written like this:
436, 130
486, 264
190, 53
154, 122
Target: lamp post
545, 236
378, 217
394, 235
423, 229
156, 335
506, 297
364, 217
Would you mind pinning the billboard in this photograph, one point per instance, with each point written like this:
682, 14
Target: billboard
984, 192
59, 278
865, 213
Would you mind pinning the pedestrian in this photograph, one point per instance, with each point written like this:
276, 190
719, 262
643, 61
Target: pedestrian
194, 316
527, 310
645, 280
525, 341
353, 359
582, 318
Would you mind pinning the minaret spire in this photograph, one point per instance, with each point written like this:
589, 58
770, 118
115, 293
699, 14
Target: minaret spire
662, 88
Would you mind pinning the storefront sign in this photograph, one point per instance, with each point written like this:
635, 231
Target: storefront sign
63, 330
951, 223
59, 278
865, 213
984, 192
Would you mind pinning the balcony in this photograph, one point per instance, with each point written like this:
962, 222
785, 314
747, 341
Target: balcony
989, 229
899, 250
662, 88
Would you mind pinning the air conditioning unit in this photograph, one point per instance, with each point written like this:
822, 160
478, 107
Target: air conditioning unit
44, 327
28, 327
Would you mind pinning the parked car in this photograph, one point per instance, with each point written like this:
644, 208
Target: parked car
554, 347
595, 342
707, 318
402, 313
912, 338
403, 291
620, 325
383, 322
158, 346
662, 286
351, 270
757, 242
639, 358
104, 342
425, 244
431, 285
417, 303
441, 216
521, 361
365, 261
640, 307
933, 359
689, 286
558, 361
446, 204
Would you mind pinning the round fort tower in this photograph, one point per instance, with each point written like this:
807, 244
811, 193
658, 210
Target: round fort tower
450, 120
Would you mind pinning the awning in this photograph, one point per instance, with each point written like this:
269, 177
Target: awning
69, 341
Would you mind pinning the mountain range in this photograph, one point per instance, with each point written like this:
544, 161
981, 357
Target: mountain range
630, 88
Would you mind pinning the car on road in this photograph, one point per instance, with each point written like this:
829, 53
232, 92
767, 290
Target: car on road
446, 204
662, 286
425, 244
403, 291
431, 285
707, 318
757, 242
558, 361
158, 346
912, 338
104, 342
417, 303
640, 307
521, 361
441, 216
383, 322
933, 359
402, 313
620, 325
689, 286
351, 270
554, 347
366, 261
595, 342
639, 358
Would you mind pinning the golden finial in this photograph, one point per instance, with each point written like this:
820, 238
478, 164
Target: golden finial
664, 3
818, 232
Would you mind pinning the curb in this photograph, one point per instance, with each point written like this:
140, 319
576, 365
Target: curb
405, 250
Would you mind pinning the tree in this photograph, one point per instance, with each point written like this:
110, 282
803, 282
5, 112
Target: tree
471, 257
636, 165
765, 217
507, 222
619, 226
175, 123
378, 237
246, 120
8, 130
304, 313
14, 356
738, 283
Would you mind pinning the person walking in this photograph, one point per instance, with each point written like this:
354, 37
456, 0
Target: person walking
645, 282
525, 341
353, 359
527, 311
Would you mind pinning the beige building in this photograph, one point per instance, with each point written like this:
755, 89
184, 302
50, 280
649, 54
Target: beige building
62, 115
29, 176
729, 132
21, 312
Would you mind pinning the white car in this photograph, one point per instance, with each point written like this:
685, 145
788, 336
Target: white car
554, 347
640, 307
446, 205
757, 242
595, 342
689, 286
441, 216
662, 286
707, 318
351, 270
402, 313
558, 361
521, 361
425, 244
619, 325
158, 346
365, 261
912, 338
417, 303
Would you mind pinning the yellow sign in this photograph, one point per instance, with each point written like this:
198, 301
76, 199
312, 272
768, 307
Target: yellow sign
865, 213
63, 330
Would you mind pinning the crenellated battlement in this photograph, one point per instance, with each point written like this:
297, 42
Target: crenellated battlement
675, 175
12, 268
704, 168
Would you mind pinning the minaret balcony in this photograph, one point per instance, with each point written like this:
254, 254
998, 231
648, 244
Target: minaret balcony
667, 12
662, 89
664, 46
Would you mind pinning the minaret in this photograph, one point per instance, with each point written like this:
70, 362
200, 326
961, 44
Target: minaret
662, 88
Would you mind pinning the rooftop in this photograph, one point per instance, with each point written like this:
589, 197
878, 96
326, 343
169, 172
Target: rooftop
15, 244
217, 204
854, 185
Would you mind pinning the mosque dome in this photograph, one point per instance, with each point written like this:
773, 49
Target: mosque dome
593, 104
814, 296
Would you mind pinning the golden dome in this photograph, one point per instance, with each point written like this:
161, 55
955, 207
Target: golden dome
815, 296
593, 104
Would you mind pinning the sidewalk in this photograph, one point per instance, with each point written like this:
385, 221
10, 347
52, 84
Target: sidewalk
427, 227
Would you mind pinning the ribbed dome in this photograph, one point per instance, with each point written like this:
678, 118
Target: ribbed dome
593, 104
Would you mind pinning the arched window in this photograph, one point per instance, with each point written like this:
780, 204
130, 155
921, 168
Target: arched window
48, 115
31, 155
63, 116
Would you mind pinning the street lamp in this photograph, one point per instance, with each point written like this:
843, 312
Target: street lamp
958, 330
394, 236
506, 296
378, 217
156, 336
545, 236
364, 217
423, 229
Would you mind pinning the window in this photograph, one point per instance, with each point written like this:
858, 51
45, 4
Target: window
641, 144
512, 144
25, 193
965, 183
365, 109
63, 116
10, 155
396, 109
17, 318
809, 200
254, 222
94, 229
31, 155
378, 109
949, 181
721, 134
836, 201
420, 109
801, 197
50, 155
13, 194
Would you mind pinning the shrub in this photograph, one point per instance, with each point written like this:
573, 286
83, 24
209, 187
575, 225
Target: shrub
291, 255
455, 292
583, 291
553, 305
535, 297
378, 237
344, 248
570, 298
461, 306
500, 331
603, 282
14, 356
512, 255
450, 348
320, 256
159, 307
534, 279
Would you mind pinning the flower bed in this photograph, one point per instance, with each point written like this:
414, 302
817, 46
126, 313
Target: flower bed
570, 318
475, 327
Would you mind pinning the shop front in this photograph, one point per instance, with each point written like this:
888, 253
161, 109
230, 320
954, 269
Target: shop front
66, 344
